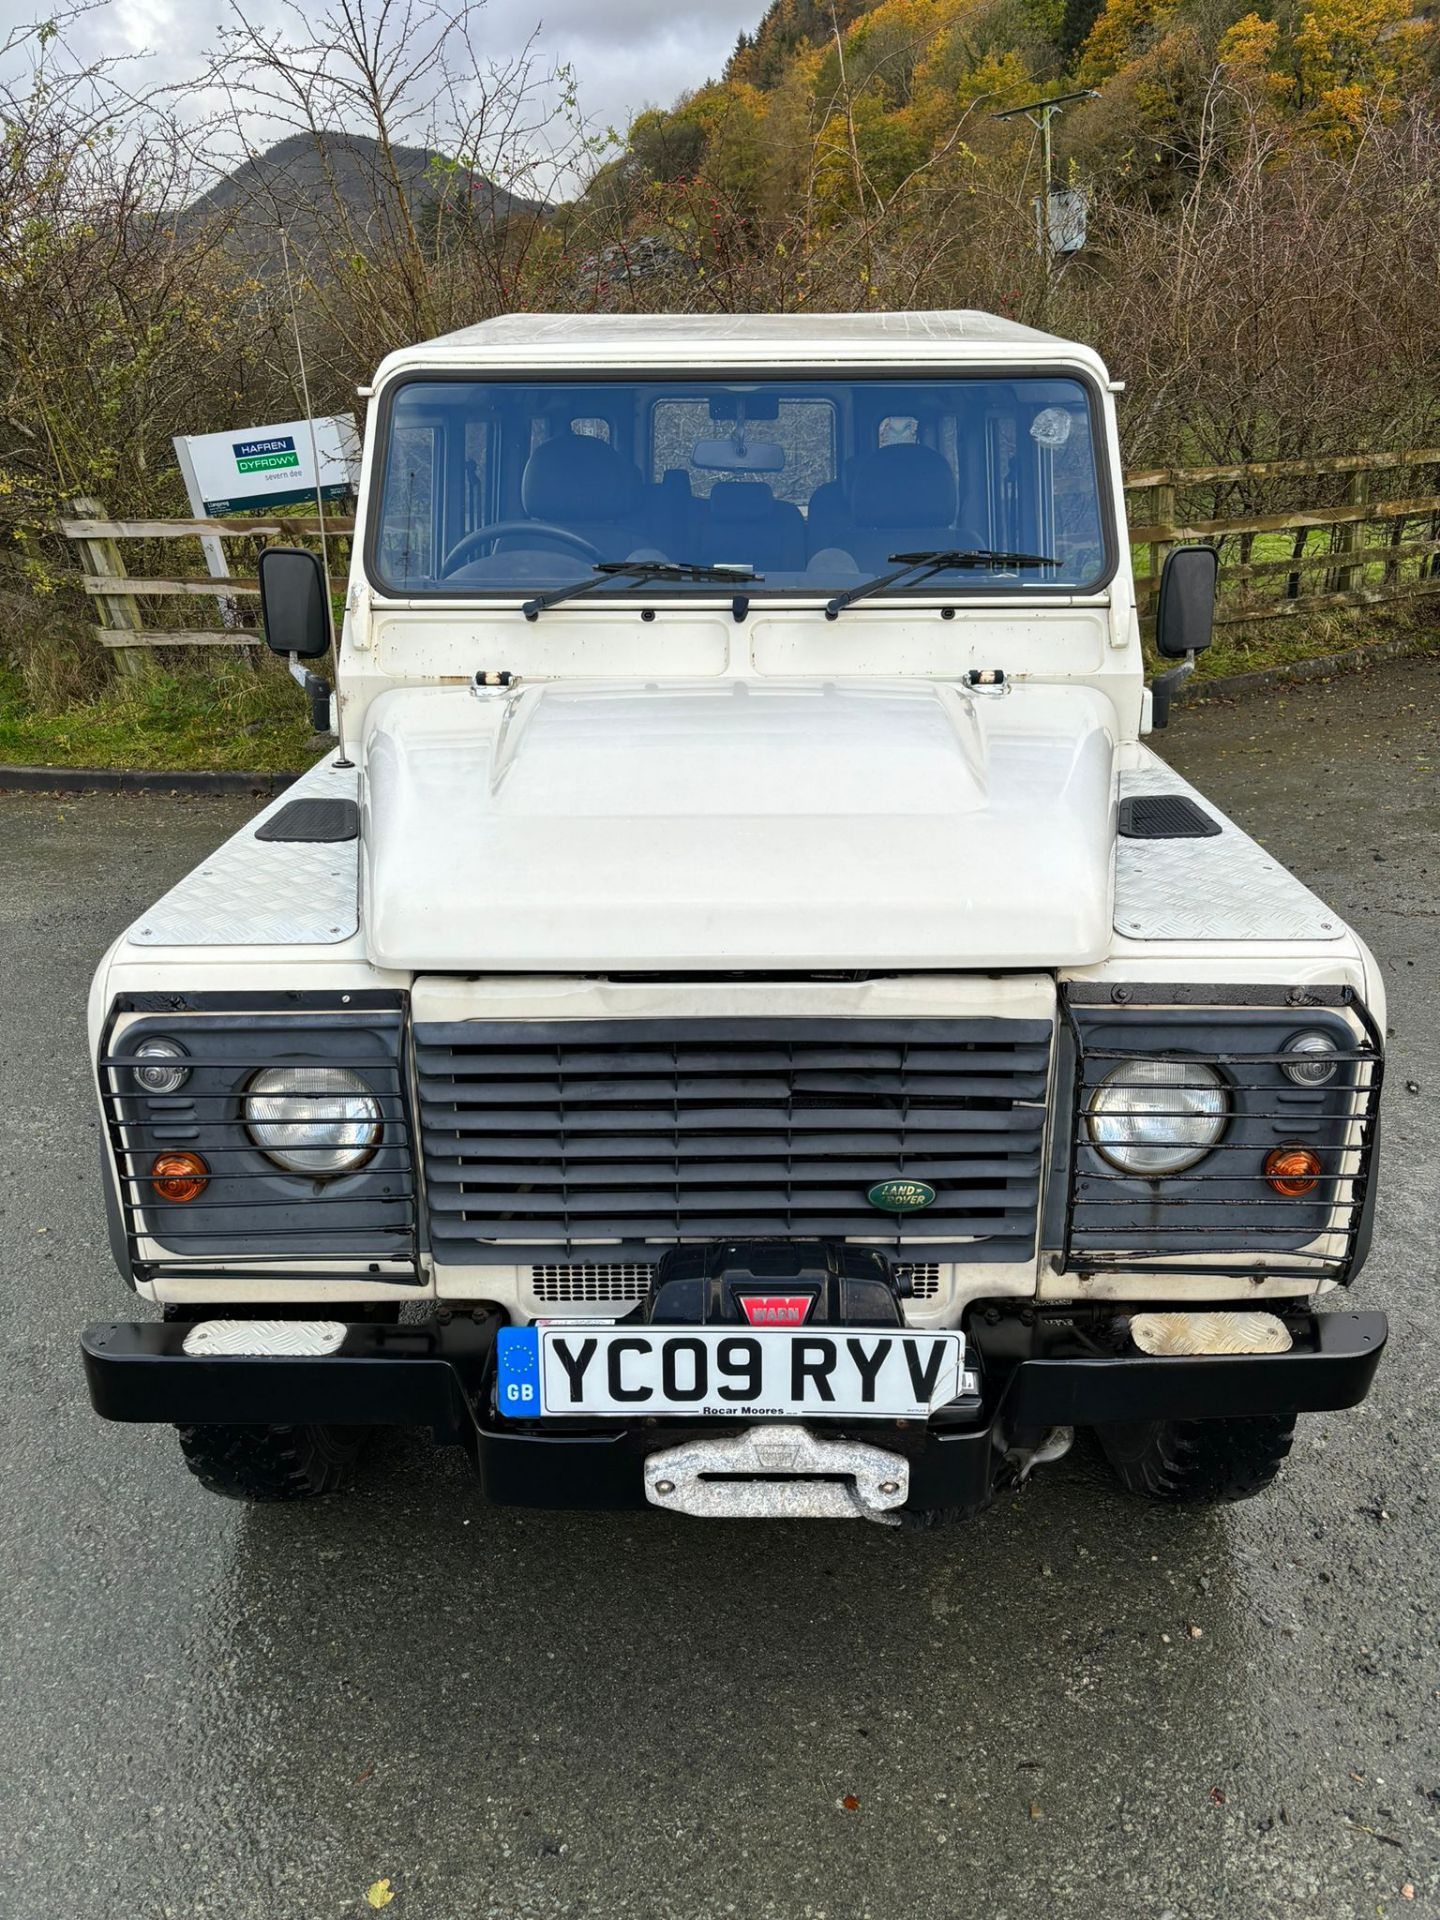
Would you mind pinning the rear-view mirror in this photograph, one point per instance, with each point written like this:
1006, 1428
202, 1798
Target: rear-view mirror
1185, 611
738, 455
293, 602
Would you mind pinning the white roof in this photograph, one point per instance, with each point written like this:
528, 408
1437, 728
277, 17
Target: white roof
594, 340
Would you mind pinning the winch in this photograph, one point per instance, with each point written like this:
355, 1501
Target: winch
776, 1283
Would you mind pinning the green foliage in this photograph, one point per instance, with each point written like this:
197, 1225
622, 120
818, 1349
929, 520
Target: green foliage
884, 84
227, 713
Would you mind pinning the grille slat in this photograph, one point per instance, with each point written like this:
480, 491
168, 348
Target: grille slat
626, 1136
556, 1122
747, 1087
799, 1201
477, 1175
718, 1148
739, 1059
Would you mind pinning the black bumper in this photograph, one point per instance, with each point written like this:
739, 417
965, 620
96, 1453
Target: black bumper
1039, 1371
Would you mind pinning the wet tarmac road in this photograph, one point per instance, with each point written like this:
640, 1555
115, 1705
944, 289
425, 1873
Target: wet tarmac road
1079, 1705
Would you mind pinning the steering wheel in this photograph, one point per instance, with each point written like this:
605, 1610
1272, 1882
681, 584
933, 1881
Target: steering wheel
545, 528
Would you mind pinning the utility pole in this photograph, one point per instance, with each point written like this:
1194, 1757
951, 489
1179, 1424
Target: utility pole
1040, 113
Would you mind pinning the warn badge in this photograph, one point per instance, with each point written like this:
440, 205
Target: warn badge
776, 1309
901, 1196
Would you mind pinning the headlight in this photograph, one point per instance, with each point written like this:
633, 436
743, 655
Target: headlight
1157, 1116
161, 1076
313, 1119
1312, 1068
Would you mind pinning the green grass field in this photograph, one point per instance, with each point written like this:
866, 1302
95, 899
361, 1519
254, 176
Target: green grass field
251, 718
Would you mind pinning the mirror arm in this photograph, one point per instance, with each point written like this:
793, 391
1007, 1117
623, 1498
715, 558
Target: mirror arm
1164, 688
317, 692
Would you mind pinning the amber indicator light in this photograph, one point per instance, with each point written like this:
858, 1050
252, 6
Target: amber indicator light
1293, 1171
179, 1176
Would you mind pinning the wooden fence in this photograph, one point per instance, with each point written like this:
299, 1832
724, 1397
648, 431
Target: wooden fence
1365, 546
1376, 540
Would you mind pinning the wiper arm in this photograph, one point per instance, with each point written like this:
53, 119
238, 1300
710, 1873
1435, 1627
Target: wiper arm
923, 565
642, 570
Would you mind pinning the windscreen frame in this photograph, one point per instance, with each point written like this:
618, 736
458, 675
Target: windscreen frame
937, 591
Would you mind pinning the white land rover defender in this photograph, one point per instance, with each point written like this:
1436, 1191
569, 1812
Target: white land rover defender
742, 1024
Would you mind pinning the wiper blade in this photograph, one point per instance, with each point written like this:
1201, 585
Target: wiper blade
642, 570
923, 565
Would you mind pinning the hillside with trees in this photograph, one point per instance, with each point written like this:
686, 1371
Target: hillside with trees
1260, 265
1262, 188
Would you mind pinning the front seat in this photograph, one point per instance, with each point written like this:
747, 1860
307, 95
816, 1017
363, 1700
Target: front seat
746, 524
903, 499
582, 484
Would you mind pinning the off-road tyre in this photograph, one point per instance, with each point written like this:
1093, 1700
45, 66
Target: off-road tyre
1198, 1462
271, 1463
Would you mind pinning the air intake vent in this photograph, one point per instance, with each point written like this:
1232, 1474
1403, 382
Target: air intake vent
609, 1140
924, 1278
597, 1281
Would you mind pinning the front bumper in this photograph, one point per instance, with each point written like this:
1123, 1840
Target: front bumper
1040, 1370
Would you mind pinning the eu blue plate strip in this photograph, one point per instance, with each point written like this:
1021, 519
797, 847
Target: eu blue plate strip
517, 1362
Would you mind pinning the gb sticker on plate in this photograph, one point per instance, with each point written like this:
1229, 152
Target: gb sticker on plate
517, 1371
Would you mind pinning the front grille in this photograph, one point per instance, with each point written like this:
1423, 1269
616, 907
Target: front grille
541, 1138
1222, 1215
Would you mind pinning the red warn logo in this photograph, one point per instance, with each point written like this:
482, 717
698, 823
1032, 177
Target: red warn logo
776, 1309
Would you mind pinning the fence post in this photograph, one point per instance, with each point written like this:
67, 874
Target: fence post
1352, 534
1295, 582
1163, 514
121, 611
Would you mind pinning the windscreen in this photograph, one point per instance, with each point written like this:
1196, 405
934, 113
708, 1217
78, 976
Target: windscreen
498, 486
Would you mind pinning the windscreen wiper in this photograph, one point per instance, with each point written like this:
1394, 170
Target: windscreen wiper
642, 570
923, 565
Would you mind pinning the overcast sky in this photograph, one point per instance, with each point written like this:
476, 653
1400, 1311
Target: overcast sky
627, 54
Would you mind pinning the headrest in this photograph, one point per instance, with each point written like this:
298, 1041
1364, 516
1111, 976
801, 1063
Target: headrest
737, 501
577, 477
903, 486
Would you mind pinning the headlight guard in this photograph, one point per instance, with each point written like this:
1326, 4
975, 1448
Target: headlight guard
1160, 1180
301, 1113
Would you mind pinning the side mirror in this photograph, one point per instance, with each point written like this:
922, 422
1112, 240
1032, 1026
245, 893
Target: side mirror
1184, 621
294, 605
1185, 611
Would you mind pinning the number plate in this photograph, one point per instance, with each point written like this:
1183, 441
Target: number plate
721, 1373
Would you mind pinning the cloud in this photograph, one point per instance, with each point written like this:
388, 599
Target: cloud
626, 54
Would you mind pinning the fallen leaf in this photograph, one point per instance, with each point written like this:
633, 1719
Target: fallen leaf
379, 1894
361, 1778
1217, 1794
850, 1803
1034, 1809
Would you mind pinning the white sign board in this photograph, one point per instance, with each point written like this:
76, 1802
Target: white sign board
258, 467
